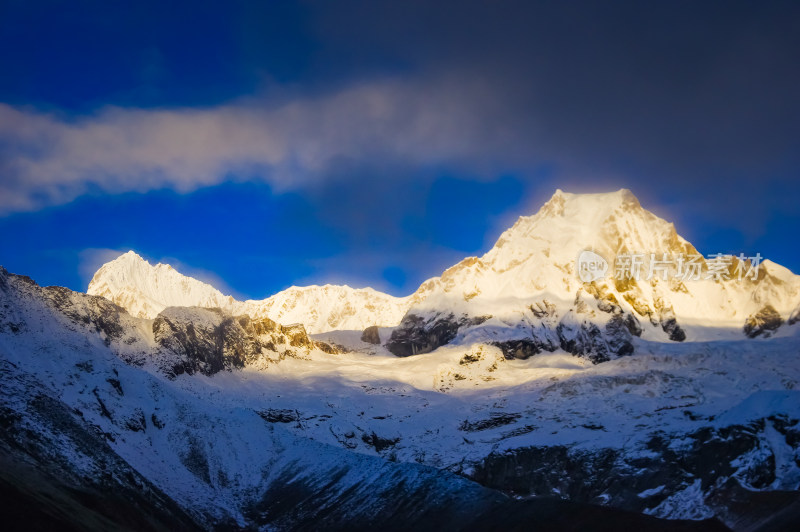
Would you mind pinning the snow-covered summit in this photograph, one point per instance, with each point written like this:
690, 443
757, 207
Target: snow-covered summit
608, 222
145, 290
331, 307
538, 252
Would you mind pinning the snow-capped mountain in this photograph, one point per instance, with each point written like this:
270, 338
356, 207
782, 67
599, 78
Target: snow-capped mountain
537, 256
330, 307
515, 380
145, 290
97, 444
526, 295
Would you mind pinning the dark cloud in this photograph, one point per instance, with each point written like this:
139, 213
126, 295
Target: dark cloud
669, 86
686, 103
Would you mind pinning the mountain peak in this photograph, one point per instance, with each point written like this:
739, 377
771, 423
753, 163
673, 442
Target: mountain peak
142, 288
570, 222
127, 261
129, 256
562, 203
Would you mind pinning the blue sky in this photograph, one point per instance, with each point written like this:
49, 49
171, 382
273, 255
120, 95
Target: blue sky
260, 145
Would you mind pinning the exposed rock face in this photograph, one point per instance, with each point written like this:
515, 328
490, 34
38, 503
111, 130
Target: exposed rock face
668, 322
764, 322
205, 340
619, 332
208, 340
417, 335
296, 335
95, 315
713, 465
587, 340
523, 348
579, 332
671, 327
660, 315
371, 335
97, 311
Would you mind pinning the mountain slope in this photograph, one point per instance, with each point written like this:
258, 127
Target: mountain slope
93, 443
677, 431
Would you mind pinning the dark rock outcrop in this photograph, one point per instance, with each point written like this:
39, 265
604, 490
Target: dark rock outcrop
378, 442
587, 339
764, 322
277, 415
525, 348
669, 323
584, 340
708, 457
296, 335
371, 335
205, 339
97, 312
662, 314
496, 419
671, 327
574, 334
208, 340
417, 335
619, 332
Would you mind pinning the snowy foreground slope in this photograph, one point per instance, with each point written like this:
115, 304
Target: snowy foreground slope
503, 393
90, 441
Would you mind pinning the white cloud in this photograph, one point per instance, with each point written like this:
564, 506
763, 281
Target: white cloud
49, 159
